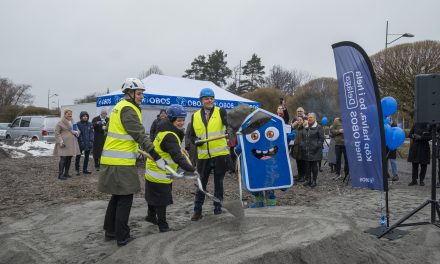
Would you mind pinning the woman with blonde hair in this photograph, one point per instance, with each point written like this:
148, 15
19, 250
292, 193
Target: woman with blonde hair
66, 143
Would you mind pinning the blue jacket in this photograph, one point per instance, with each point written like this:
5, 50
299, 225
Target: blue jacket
86, 136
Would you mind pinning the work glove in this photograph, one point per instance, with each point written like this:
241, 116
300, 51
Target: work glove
198, 144
417, 137
161, 163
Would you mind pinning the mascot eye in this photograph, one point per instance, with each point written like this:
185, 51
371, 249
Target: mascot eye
253, 137
272, 133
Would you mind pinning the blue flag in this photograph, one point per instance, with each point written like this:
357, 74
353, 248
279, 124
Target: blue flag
361, 115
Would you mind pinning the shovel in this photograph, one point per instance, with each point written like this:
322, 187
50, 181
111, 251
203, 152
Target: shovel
210, 139
236, 207
173, 173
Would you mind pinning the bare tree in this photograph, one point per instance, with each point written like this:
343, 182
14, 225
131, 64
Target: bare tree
154, 69
397, 67
319, 96
14, 94
286, 81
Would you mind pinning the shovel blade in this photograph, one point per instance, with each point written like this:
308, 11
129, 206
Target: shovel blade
235, 208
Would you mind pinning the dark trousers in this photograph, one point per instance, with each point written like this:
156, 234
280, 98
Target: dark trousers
159, 212
415, 170
86, 160
117, 214
204, 168
311, 170
64, 165
300, 164
339, 150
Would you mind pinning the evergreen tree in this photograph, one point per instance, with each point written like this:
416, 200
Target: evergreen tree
197, 71
253, 71
213, 69
216, 70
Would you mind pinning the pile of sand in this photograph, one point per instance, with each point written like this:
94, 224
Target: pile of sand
73, 234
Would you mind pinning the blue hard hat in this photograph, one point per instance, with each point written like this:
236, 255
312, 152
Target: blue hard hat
205, 92
175, 111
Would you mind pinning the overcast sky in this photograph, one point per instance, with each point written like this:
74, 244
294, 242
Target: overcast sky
75, 48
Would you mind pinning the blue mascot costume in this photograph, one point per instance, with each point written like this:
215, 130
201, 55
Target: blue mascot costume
264, 159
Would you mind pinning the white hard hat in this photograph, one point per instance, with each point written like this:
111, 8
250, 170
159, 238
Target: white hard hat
132, 84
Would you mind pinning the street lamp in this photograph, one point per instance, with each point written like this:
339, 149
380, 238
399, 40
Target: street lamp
404, 35
49, 96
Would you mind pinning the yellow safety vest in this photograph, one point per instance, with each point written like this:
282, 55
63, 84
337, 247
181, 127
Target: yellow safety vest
215, 128
119, 147
152, 172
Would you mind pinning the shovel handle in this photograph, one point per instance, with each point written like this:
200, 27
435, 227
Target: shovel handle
210, 139
172, 172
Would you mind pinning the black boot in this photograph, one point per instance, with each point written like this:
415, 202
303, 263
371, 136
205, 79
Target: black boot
67, 167
313, 183
308, 181
61, 168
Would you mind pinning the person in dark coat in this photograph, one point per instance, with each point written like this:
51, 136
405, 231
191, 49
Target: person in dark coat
296, 152
85, 141
190, 148
337, 132
311, 148
153, 129
419, 151
167, 144
100, 128
298, 121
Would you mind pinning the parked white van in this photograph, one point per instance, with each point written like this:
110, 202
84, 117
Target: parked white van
33, 127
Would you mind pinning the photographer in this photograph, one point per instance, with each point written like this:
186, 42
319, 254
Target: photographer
100, 127
282, 111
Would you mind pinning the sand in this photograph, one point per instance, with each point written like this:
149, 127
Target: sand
324, 225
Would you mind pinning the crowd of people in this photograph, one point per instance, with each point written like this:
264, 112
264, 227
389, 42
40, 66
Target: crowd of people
116, 140
74, 139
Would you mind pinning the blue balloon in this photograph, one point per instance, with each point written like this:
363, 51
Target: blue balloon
324, 121
389, 106
397, 139
386, 121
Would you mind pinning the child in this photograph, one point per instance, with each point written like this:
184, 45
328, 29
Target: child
158, 186
85, 141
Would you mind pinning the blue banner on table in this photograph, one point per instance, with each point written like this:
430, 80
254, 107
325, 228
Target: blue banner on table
361, 116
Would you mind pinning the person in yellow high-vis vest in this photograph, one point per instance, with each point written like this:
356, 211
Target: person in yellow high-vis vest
158, 185
118, 175
209, 122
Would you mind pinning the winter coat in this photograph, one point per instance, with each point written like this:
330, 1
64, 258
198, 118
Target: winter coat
419, 150
311, 142
153, 128
86, 136
296, 151
335, 133
63, 134
159, 194
124, 180
100, 133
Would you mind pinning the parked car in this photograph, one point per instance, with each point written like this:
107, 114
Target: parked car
33, 127
3, 128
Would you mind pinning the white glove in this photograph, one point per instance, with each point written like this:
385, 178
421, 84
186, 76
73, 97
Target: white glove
160, 163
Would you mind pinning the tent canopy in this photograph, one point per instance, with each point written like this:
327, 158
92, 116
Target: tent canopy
164, 90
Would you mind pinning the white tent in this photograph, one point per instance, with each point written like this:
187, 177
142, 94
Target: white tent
162, 91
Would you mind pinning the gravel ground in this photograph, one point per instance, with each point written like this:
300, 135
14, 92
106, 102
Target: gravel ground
29, 183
